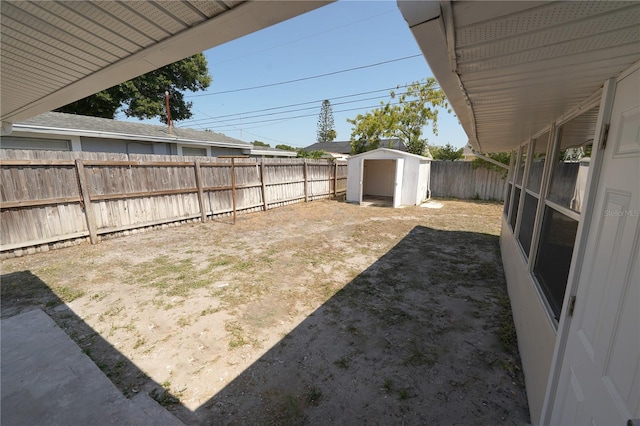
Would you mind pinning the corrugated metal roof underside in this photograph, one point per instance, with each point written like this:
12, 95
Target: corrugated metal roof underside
524, 64
48, 45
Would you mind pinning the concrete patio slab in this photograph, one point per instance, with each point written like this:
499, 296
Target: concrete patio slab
47, 380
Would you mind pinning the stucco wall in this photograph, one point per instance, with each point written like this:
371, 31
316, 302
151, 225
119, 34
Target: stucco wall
536, 334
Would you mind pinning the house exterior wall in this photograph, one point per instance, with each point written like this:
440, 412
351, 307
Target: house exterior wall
536, 334
49, 144
116, 145
379, 177
216, 152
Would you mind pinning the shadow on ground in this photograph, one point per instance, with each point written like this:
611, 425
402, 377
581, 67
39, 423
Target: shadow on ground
23, 291
422, 336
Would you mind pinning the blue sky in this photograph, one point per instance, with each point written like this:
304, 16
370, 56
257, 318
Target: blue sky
342, 35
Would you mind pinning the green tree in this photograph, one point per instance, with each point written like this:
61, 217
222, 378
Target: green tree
310, 154
260, 143
446, 153
326, 131
405, 120
502, 157
286, 147
144, 96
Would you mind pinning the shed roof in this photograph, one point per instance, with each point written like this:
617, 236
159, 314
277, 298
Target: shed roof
392, 153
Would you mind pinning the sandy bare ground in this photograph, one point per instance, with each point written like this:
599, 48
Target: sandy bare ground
323, 313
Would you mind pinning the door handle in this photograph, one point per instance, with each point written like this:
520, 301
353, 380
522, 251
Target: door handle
633, 422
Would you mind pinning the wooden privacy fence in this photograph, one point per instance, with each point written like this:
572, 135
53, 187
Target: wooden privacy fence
459, 179
55, 196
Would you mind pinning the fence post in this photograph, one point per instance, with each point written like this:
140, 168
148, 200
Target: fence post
198, 171
264, 192
306, 182
335, 179
233, 187
86, 201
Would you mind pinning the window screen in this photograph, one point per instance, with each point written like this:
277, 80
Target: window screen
554, 256
527, 221
189, 150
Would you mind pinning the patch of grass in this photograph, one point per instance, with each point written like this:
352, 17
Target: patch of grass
343, 362
507, 330
387, 385
238, 336
417, 357
97, 297
208, 311
314, 395
184, 322
242, 266
67, 294
291, 411
403, 393
139, 342
52, 302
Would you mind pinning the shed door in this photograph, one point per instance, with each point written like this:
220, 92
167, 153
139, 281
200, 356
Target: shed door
397, 192
599, 380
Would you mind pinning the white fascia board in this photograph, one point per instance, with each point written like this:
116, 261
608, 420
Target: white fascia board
282, 153
241, 20
18, 128
387, 151
428, 27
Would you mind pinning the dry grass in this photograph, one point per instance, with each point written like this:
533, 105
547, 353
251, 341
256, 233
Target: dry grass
201, 305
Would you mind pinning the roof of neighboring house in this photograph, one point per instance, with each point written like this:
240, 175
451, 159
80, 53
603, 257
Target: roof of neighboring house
337, 147
81, 125
265, 150
344, 147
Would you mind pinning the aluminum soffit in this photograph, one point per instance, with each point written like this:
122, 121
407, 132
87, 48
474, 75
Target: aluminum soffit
512, 68
54, 53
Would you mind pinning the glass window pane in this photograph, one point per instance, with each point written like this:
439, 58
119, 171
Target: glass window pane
526, 223
513, 157
514, 211
554, 256
537, 163
507, 199
523, 161
569, 178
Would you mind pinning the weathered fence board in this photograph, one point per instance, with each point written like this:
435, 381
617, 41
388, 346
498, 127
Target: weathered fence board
50, 196
459, 179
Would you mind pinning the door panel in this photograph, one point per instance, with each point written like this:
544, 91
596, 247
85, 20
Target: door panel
599, 377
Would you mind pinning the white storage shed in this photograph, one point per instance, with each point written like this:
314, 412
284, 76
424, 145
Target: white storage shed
390, 174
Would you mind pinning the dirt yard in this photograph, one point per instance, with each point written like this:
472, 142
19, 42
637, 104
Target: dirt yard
323, 313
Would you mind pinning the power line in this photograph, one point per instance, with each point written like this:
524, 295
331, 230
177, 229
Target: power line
297, 40
293, 105
309, 115
240, 117
305, 78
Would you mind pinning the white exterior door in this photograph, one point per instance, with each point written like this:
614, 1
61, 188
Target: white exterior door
397, 190
599, 382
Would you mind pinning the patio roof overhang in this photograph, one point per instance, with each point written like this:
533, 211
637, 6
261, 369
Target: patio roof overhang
54, 53
510, 69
